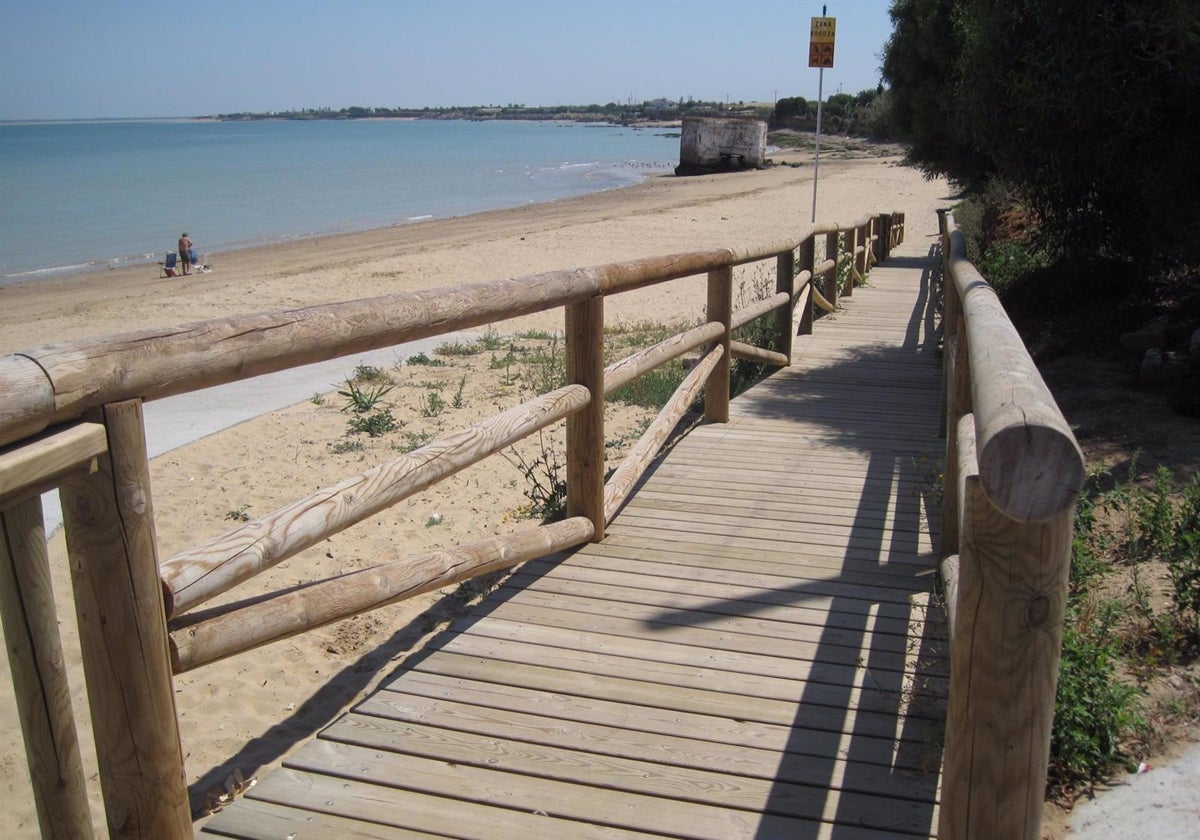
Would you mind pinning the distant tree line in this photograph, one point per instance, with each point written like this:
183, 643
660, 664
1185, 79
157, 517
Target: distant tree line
629, 112
1087, 109
867, 112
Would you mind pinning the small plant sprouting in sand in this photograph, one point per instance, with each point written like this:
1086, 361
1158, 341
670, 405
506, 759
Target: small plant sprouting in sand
432, 404
345, 445
376, 424
434, 519
423, 359
238, 514
361, 399
457, 401
412, 440
317, 398
370, 373
546, 483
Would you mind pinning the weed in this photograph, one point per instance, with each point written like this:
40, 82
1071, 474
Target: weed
535, 335
1183, 558
341, 447
434, 519
457, 401
360, 399
1092, 709
546, 482
490, 340
370, 373
317, 399
432, 404
413, 440
458, 348
654, 388
239, 514
423, 359
376, 424
543, 368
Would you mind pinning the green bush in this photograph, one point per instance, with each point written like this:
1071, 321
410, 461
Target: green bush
1093, 710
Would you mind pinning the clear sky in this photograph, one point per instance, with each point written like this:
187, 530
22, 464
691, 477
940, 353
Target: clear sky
66, 59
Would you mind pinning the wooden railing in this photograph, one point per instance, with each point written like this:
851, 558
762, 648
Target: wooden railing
71, 418
1013, 473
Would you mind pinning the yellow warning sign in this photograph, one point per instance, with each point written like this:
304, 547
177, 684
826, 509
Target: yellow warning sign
820, 45
823, 29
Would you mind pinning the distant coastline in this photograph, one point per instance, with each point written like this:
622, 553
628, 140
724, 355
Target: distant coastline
660, 113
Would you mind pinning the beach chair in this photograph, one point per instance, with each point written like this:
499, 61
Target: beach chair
170, 265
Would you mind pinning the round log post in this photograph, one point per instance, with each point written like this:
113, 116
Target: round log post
852, 241
785, 273
109, 524
807, 257
832, 241
39, 679
1012, 584
585, 428
720, 309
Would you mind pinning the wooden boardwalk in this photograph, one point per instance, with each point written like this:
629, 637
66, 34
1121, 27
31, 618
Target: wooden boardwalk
750, 653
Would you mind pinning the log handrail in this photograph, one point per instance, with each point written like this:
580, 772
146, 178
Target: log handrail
1013, 472
119, 576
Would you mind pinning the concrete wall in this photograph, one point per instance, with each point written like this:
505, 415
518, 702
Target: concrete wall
709, 144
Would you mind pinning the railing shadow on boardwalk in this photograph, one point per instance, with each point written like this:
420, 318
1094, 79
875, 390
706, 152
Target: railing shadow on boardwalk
901, 689
890, 698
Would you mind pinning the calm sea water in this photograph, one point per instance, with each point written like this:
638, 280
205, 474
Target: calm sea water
88, 195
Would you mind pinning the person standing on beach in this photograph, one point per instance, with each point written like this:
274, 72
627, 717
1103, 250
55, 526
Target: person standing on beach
185, 253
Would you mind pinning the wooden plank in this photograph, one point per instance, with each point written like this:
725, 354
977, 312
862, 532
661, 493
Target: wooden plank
570, 800
652, 725
256, 819
430, 815
539, 766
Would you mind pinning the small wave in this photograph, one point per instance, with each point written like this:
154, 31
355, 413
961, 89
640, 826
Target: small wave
19, 277
418, 218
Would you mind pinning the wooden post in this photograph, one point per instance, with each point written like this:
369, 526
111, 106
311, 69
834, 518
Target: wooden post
109, 524
807, 261
720, 309
785, 274
39, 678
853, 240
585, 428
885, 236
832, 240
1012, 583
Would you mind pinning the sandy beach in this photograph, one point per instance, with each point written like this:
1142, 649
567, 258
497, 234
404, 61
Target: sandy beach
241, 715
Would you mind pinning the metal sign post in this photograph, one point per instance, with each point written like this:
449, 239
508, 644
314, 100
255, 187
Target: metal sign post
820, 54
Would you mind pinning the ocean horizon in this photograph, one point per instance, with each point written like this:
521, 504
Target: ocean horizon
88, 195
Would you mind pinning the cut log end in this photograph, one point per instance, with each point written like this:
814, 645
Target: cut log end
1031, 473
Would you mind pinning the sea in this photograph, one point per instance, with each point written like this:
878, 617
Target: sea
89, 195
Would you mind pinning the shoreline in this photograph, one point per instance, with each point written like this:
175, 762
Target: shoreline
648, 217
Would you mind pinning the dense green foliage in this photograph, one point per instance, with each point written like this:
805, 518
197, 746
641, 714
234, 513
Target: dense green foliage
1086, 108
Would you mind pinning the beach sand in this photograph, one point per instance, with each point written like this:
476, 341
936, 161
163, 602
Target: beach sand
245, 713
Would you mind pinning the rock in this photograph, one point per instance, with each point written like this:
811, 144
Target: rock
1157, 368
1150, 337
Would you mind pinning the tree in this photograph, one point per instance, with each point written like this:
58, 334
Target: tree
1085, 108
788, 107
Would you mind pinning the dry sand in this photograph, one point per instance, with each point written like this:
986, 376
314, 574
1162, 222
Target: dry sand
247, 712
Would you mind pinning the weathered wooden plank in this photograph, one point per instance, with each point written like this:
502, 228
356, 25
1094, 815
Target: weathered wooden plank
432, 815
551, 708
537, 766
566, 799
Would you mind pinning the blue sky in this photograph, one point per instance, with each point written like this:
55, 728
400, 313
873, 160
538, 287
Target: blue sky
69, 59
